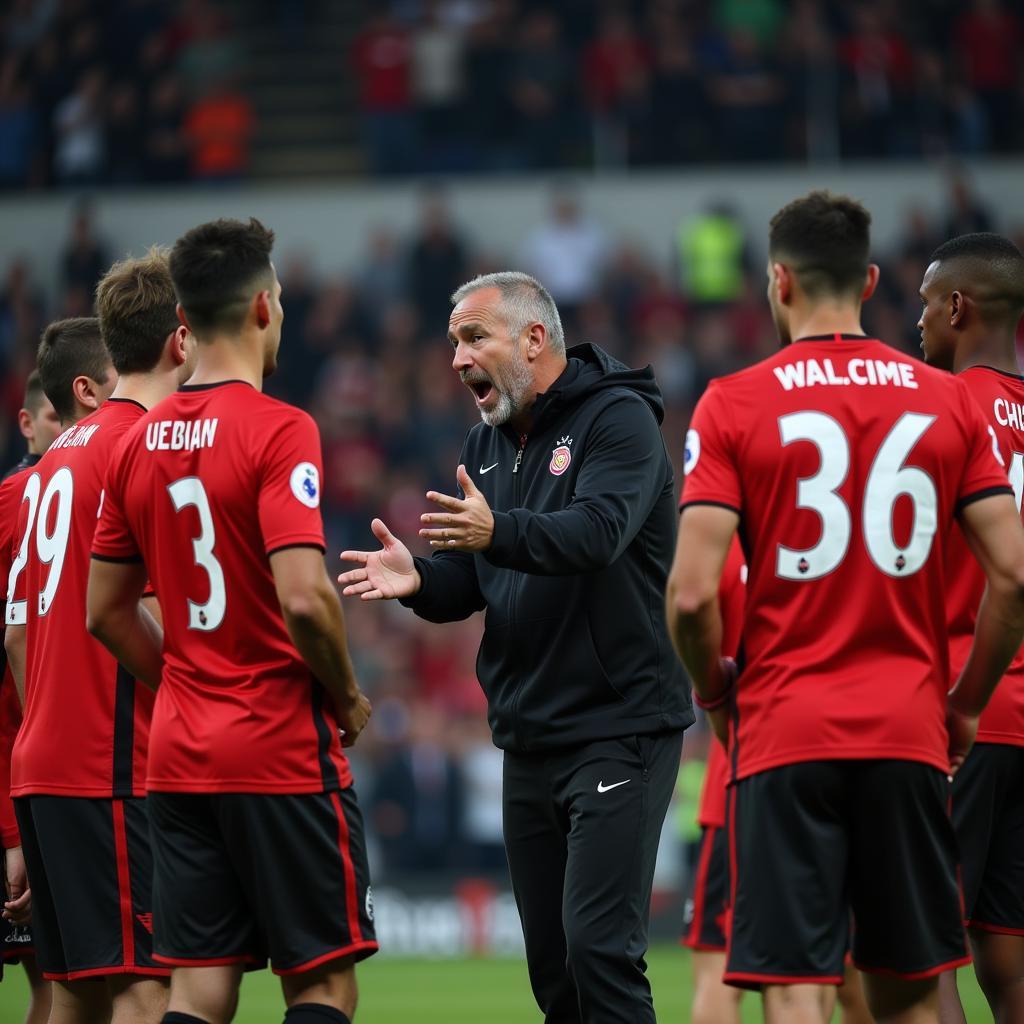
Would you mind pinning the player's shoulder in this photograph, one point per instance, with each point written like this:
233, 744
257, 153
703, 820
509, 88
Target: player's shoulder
12, 487
14, 479
270, 416
986, 379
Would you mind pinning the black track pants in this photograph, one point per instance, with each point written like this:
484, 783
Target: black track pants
582, 827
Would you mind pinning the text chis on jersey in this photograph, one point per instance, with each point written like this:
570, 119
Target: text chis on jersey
1000, 396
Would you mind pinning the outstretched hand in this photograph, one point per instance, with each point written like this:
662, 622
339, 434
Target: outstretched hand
382, 575
466, 524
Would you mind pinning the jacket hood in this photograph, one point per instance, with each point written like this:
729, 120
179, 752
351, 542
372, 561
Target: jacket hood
591, 369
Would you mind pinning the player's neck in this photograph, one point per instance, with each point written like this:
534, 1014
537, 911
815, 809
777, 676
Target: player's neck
997, 349
216, 365
80, 413
822, 320
145, 388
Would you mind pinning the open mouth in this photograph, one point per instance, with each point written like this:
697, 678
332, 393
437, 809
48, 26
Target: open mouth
481, 389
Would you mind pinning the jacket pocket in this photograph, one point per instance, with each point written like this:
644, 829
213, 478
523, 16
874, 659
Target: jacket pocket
562, 676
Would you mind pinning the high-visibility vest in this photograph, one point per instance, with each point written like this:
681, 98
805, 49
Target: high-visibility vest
711, 258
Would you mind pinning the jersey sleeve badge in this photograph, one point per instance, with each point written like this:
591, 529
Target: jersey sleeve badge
691, 451
305, 484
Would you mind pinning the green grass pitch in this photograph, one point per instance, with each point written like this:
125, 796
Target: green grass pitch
464, 991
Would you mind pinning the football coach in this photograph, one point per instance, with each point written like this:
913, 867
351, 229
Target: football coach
564, 535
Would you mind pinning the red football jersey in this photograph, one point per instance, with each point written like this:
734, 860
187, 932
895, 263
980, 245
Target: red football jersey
847, 461
10, 708
86, 721
1001, 399
210, 483
731, 595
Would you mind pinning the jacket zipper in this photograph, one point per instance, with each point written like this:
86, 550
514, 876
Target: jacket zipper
519, 454
514, 586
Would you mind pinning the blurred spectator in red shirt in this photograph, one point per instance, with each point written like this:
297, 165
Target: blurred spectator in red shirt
382, 60
616, 69
879, 69
988, 41
615, 63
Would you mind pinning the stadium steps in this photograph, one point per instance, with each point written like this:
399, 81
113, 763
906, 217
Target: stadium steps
303, 94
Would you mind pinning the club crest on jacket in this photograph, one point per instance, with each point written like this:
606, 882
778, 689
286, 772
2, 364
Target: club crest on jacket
561, 456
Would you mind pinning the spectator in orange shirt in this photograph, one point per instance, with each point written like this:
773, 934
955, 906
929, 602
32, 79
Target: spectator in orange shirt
218, 129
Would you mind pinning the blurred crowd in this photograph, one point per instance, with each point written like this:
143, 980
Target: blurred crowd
366, 354
120, 92
128, 91
513, 84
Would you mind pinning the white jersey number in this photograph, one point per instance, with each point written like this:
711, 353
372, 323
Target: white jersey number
51, 546
887, 481
190, 491
1017, 476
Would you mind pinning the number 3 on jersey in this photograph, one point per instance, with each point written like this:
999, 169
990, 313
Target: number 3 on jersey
51, 546
187, 491
887, 481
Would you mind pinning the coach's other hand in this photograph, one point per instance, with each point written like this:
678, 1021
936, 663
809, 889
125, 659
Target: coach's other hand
466, 524
383, 575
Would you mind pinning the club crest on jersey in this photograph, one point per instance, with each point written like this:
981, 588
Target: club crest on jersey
305, 483
561, 456
369, 902
691, 451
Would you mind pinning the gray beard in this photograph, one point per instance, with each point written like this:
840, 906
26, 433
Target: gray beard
515, 390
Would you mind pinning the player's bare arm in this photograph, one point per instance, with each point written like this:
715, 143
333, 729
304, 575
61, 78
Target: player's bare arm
118, 618
692, 607
382, 575
993, 529
466, 524
14, 644
312, 614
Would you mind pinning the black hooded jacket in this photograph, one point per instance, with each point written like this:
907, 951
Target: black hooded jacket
575, 644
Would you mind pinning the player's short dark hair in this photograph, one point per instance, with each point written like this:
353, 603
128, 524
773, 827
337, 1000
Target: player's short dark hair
987, 267
70, 348
824, 239
34, 393
137, 309
217, 268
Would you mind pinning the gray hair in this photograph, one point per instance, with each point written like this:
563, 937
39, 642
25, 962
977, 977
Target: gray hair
524, 301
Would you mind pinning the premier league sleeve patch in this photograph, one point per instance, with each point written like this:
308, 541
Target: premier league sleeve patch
305, 484
691, 453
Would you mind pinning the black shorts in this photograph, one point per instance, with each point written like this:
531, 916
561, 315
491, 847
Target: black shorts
706, 918
813, 842
90, 869
243, 877
988, 815
15, 942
